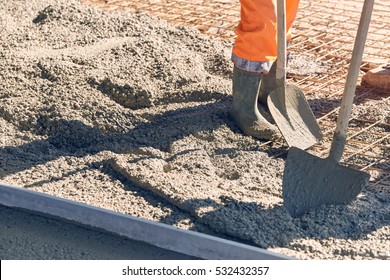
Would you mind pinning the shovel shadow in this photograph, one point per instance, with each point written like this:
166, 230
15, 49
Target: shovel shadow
322, 106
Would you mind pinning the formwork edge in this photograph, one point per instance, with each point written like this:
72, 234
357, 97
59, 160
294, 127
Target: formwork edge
188, 242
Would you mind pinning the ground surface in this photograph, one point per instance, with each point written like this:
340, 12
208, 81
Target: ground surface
29, 236
129, 113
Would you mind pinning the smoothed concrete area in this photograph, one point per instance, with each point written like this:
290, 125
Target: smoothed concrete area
26, 236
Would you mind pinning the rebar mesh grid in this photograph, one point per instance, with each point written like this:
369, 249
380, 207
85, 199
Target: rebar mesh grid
324, 29
213, 17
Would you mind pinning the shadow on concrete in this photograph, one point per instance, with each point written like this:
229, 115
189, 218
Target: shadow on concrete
74, 138
255, 225
249, 222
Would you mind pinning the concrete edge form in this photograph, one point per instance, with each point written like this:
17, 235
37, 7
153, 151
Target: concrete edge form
161, 235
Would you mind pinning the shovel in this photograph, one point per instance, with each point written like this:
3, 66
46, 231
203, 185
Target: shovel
287, 103
308, 181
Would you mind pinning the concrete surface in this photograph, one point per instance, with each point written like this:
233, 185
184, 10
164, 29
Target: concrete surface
28, 236
161, 235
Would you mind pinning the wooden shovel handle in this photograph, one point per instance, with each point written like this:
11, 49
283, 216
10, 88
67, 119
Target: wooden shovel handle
340, 134
281, 41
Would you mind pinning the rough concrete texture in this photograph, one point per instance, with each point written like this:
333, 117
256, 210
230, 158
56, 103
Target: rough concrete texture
129, 113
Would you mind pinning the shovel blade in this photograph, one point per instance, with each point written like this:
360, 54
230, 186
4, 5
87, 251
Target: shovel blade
293, 116
309, 182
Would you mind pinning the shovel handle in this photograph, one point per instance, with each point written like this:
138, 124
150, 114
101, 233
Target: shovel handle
340, 134
281, 41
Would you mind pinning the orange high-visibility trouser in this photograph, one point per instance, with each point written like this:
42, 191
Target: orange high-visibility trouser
256, 39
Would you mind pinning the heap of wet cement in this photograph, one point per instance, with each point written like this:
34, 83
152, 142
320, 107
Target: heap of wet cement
127, 112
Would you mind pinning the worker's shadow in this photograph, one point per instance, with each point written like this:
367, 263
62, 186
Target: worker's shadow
249, 222
74, 138
323, 106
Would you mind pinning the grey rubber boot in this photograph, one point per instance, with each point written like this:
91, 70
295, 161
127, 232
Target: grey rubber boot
268, 84
244, 110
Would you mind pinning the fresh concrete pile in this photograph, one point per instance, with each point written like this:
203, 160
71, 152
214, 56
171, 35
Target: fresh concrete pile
126, 112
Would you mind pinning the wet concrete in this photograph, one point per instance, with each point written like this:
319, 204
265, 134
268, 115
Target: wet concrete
28, 236
127, 113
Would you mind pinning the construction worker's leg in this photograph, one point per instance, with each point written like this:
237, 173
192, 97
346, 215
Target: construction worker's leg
255, 45
244, 110
253, 53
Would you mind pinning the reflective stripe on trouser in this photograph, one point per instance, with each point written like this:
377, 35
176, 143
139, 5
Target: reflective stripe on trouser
255, 47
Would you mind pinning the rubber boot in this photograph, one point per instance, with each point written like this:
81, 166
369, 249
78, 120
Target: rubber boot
268, 84
244, 110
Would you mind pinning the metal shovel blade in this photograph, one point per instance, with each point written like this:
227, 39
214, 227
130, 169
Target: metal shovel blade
293, 116
309, 182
